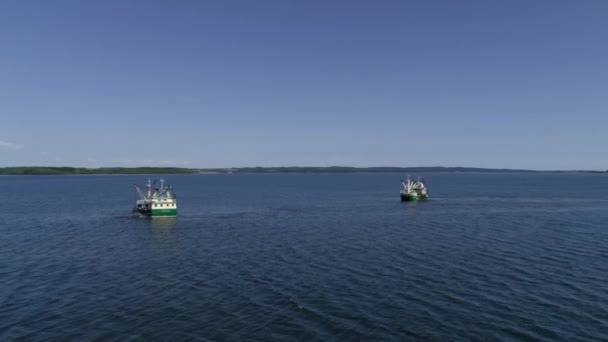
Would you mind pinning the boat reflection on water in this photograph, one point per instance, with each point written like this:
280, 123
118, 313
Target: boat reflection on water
163, 223
161, 233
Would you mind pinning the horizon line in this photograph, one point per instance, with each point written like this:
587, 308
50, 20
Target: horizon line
315, 167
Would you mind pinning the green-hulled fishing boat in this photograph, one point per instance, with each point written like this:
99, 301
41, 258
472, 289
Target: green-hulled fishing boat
157, 201
413, 191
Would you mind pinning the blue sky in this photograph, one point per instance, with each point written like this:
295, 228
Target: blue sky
516, 84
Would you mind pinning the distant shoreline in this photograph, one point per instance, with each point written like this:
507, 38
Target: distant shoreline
111, 171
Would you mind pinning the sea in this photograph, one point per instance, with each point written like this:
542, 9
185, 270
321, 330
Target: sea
306, 257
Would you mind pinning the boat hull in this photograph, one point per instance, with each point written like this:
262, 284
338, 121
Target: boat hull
409, 197
163, 212
412, 197
159, 212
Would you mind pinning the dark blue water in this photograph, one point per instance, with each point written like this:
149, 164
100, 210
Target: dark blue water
306, 258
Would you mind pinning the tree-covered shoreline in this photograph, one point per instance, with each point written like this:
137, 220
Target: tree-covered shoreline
65, 170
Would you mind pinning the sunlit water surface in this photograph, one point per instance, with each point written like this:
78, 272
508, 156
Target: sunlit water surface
306, 257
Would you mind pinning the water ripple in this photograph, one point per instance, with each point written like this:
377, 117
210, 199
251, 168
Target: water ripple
341, 260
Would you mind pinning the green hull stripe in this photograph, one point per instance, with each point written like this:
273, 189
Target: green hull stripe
164, 212
409, 198
413, 197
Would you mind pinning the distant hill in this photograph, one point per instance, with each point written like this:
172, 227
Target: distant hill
44, 170
348, 169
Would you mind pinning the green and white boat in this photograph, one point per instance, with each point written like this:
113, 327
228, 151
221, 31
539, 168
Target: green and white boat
413, 191
157, 201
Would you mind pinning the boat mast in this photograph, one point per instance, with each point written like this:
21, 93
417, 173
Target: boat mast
149, 187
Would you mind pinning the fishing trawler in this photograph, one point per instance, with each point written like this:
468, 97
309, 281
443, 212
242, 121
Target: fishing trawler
156, 201
413, 191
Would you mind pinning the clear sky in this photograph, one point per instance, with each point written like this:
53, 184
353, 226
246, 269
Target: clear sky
516, 84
